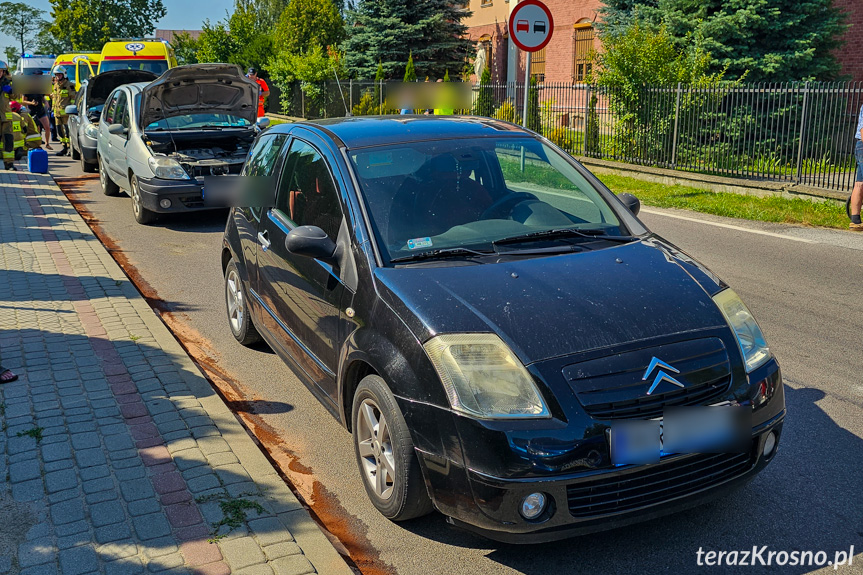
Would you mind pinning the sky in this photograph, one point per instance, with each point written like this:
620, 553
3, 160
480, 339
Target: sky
182, 15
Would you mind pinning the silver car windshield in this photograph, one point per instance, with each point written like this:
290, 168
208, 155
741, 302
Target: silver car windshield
192, 121
470, 193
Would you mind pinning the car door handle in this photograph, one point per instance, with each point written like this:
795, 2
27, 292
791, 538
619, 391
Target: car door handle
262, 238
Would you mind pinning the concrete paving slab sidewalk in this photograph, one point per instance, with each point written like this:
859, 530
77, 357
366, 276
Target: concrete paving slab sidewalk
116, 456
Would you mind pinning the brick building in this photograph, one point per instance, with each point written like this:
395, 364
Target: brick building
851, 54
566, 58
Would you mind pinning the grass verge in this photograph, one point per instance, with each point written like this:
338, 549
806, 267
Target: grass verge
772, 209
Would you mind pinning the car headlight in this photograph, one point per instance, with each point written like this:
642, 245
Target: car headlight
167, 168
483, 378
91, 131
749, 337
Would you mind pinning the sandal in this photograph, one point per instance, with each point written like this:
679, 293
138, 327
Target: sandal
6, 376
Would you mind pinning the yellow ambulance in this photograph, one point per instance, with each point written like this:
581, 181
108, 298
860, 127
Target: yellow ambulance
79, 65
150, 54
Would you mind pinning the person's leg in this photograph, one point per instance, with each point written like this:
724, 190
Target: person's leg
46, 126
857, 193
63, 134
8, 146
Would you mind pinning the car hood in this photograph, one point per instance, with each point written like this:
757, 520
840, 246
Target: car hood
200, 89
101, 85
560, 305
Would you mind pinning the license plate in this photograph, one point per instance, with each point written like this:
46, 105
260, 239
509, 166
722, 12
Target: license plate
702, 429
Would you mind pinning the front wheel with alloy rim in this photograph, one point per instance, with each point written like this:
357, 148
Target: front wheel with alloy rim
142, 214
109, 188
385, 453
237, 305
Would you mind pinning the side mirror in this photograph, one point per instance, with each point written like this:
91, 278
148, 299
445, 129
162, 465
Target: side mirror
72, 110
631, 202
263, 122
117, 129
311, 242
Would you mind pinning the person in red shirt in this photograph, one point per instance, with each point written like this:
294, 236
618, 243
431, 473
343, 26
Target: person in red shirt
252, 74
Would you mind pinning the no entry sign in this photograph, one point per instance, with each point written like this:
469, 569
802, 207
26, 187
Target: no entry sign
531, 25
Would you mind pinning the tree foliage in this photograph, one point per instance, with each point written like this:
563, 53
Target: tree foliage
776, 40
267, 11
312, 69
239, 39
388, 31
22, 22
87, 25
185, 48
307, 23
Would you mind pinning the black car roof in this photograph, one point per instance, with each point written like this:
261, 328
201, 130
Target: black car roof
361, 131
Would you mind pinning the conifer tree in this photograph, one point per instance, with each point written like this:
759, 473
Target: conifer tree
388, 31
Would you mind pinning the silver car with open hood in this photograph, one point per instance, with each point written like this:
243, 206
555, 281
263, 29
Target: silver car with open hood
159, 140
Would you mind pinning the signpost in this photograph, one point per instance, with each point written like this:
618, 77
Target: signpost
530, 28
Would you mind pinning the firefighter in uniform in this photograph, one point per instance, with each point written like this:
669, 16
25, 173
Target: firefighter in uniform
32, 138
6, 117
17, 130
61, 96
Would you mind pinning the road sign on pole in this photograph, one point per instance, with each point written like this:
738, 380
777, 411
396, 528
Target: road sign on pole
530, 27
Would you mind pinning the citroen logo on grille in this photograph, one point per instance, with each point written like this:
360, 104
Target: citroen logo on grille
661, 375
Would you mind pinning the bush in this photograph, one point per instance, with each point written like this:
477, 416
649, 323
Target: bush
368, 105
506, 112
561, 137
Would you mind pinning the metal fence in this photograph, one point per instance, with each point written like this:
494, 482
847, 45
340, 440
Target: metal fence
793, 132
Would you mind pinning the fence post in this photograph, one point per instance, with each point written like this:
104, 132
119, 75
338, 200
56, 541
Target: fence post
351, 94
586, 136
676, 128
802, 132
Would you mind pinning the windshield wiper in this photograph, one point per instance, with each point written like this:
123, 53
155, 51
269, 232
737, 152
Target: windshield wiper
593, 234
440, 254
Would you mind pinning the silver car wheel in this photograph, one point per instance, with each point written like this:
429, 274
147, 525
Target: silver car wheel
136, 199
236, 305
376, 449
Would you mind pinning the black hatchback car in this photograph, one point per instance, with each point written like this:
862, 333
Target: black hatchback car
495, 328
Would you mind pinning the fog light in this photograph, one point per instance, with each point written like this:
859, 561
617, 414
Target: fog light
165, 204
533, 505
769, 444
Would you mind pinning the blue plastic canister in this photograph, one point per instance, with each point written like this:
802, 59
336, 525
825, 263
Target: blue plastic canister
37, 161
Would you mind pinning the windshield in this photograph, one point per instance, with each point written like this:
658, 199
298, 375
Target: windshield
470, 193
192, 121
155, 66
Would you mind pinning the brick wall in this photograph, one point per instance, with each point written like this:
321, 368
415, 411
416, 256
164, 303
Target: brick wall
851, 54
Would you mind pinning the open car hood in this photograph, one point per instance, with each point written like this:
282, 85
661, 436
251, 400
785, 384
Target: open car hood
200, 89
99, 87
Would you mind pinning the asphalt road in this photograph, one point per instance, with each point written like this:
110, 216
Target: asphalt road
805, 287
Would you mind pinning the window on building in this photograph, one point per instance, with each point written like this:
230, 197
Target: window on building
582, 52
537, 66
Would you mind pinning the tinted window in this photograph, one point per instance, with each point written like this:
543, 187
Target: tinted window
307, 194
262, 158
